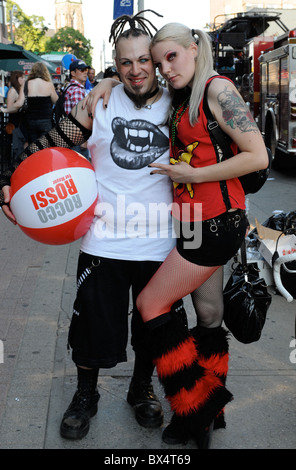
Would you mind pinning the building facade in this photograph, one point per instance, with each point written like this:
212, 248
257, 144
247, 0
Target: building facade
68, 13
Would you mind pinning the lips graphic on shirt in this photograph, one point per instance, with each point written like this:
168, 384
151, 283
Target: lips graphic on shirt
136, 143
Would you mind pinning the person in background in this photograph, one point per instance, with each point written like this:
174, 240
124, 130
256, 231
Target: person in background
58, 88
3, 91
15, 101
75, 92
6, 88
41, 98
111, 72
91, 81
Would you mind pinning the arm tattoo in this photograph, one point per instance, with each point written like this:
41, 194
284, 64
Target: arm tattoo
235, 112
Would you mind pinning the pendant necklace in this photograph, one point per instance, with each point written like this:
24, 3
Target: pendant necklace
149, 106
177, 118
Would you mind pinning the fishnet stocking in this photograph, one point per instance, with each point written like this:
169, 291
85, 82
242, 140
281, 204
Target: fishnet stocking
175, 279
208, 300
68, 133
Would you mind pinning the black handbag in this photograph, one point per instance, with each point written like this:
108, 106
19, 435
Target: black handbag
246, 301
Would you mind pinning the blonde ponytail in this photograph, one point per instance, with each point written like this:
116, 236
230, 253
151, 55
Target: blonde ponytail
204, 69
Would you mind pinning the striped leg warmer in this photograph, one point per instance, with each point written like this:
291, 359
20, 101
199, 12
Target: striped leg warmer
196, 393
212, 344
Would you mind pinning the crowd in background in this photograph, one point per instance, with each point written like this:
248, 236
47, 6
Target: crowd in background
30, 110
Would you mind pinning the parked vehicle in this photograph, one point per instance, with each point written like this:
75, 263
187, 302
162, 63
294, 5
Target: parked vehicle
264, 70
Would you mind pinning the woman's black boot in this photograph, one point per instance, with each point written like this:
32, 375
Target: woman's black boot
204, 439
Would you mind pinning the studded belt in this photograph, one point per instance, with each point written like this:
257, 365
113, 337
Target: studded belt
223, 220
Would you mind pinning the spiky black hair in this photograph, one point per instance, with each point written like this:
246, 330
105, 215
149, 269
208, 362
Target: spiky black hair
117, 29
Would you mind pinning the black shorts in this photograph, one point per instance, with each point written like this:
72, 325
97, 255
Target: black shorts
219, 238
98, 332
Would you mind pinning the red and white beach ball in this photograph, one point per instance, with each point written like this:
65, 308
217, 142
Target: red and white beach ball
53, 195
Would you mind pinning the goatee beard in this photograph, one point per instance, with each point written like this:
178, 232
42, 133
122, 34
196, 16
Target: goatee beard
140, 100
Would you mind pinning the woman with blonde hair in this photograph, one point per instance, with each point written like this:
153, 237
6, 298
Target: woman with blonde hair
192, 365
41, 98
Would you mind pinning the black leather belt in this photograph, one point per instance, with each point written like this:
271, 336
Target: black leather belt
224, 219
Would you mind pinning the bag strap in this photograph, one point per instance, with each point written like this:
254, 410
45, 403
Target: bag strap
244, 254
24, 106
26, 89
67, 88
219, 139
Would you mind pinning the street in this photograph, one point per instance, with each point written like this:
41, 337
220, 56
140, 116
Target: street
278, 193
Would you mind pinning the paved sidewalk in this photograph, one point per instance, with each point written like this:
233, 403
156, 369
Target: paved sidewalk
38, 379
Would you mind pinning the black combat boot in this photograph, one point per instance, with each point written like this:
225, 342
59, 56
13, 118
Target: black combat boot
84, 405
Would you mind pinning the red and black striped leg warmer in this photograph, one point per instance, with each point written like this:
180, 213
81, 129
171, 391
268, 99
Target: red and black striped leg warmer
196, 394
213, 350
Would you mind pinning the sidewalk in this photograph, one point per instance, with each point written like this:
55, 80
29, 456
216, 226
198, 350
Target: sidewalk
38, 378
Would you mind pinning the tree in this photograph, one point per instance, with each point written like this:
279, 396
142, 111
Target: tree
70, 41
29, 31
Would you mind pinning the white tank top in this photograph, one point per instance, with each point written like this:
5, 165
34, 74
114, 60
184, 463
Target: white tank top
133, 215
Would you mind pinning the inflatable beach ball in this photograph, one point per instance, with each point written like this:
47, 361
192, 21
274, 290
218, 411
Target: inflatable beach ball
53, 196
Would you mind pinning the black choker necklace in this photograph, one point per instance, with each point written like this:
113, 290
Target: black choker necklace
140, 101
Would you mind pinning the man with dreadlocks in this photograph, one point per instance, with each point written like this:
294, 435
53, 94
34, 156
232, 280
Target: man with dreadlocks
123, 139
